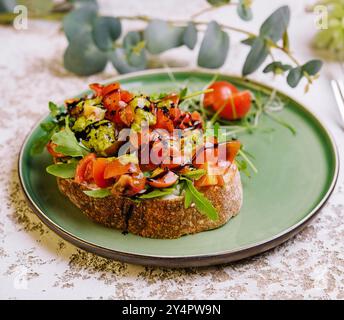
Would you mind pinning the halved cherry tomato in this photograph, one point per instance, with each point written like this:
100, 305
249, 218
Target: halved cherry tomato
51, 149
129, 184
234, 104
99, 166
166, 180
82, 167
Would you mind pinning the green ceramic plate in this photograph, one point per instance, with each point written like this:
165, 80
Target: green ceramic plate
296, 176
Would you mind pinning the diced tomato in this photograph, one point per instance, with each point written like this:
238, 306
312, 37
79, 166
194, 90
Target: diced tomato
126, 96
99, 166
214, 175
175, 113
232, 149
51, 149
195, 116
163, 121
127, 115
166, 180
111, 101
115, 168
110, 88
209, 180
82, 166
97, 89
174, 98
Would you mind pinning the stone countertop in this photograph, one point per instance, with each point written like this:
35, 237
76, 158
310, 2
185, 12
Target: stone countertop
35, 263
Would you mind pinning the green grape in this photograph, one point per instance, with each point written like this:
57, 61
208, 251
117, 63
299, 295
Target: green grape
331, 39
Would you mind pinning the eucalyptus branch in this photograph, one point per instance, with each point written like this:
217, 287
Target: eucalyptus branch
211, 8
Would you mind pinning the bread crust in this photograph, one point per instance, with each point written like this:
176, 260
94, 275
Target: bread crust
158, 218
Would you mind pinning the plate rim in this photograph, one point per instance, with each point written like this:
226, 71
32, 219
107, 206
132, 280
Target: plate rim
196, 260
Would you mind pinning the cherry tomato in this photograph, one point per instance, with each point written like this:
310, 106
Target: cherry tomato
51, 149
129, 184
83, 165
166, 180
234, 104
99, 166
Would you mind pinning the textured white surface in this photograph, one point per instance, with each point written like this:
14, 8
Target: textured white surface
36, 263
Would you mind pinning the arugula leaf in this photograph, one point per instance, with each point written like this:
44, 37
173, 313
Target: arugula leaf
157, 193
40, 143
63, 170
203, 205
183, 93
98, 193
187, 198
54, 109
67, 143
194, 174
48, 126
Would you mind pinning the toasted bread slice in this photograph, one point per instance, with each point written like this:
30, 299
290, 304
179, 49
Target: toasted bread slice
158, 218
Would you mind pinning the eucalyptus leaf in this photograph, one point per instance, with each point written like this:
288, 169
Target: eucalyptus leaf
134, 47
294, 76
257, 55
249, 41
214, 47
124, 63
277, 67
276, 24
63, 170
244, 11
190, 36
218, 3
83, 57
161, 36
98, 193
312, 67
79, 21
131, 40
105, 31
83, 3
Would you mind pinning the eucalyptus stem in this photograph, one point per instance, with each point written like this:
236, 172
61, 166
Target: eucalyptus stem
211, 8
